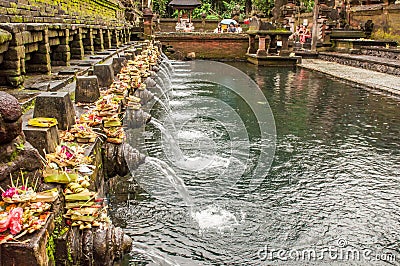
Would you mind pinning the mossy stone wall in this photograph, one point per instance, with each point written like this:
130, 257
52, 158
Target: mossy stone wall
62, 11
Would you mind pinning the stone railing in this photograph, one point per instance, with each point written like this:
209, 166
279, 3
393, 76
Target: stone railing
47, 33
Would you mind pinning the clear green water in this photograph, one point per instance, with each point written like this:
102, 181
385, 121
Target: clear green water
334, 182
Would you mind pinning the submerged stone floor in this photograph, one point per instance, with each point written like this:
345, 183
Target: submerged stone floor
366, 78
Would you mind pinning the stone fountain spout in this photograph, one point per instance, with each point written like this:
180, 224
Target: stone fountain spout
144, 95
95, 246
136, 118
150, 83
119, 159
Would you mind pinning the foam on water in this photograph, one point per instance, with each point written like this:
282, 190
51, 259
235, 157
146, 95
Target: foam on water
216, 218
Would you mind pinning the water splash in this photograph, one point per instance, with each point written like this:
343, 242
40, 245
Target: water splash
175, 180
166, 78
159, 81
168, 66
163, 93
215, 218
155, 255
166, 108
170, 140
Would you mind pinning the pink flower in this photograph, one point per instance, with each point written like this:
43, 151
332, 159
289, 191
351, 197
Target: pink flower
15, 220
9, 192
4, 224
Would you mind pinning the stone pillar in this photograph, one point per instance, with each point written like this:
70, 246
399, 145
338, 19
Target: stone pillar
12, 69
107, 39
272, 48
88, 41
148, 21
77, 50
87, 89
252, 44
122, 36
262, 46
285, 45
98, 40
128, 33
62, 54
115, 41
104, 73
57, 105
40, 60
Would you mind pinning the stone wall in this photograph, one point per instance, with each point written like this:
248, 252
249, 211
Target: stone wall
47, 33
228, 46
61, 11
386, 19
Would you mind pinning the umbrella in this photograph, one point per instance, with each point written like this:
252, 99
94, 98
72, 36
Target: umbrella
228, 21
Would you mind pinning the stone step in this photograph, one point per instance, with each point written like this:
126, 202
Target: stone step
375, 63
390, 53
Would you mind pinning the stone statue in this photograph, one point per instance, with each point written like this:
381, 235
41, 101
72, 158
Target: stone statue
16, 154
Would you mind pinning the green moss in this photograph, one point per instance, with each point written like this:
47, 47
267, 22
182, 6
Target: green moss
18, 19
69, 255
14, 155
388, 36
5, 36
29, 106
51, 249
51, 245
72, 96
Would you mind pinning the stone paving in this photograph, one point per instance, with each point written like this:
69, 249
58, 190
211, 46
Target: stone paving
368, 78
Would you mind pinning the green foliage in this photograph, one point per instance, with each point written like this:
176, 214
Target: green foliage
160, 7
265, 6
204, 8
228, 7
308, 5
217, 9
51, 244
20, 146
13, 156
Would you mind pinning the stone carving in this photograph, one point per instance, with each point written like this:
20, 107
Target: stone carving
15, 153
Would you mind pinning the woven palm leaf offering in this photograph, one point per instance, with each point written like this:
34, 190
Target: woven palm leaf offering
18, 192
62, 165
91, 119
118, 88
42, 122
86, 214
23, 210
106, 106
113, 121
83, 133
115, 135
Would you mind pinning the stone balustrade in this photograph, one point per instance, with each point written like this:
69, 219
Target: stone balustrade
36, 47
39, 34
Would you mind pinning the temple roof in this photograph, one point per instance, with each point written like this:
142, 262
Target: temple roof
184, 4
